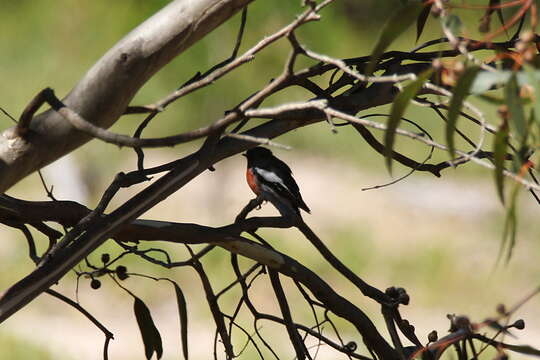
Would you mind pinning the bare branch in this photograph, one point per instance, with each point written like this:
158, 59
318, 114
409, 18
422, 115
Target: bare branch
104, 93
307, 16
28, 113
108, 335
297, 342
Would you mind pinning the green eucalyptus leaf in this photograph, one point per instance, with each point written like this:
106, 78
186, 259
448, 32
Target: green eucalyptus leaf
515, 109
492, 100
394, 27
497, 3
453, 23
500, 145
399, 106
510, 226
533, 79
490, 80
422, 19
460, 92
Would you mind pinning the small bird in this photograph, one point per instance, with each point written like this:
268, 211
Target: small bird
271, 179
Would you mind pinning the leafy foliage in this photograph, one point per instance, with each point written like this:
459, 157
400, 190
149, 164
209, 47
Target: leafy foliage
400, 21
463, 68
459, 94
500, 150
399, 106
422, 19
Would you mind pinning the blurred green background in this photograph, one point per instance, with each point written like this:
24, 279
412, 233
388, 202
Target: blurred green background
438, 238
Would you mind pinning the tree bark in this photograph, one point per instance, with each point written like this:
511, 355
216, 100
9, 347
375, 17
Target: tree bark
105, 91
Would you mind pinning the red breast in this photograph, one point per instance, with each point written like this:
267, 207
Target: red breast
252, 181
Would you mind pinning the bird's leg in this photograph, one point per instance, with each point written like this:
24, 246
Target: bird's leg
254, 203
258, 201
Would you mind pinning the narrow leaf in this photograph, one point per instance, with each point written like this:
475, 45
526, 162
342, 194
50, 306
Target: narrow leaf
492, 100
523, 349
510, 227
399, 106
394, 27
497, 3
149, 332
532, 77
501, 17
461, 90
515, 108
489, 80
453, 23
422, 18
499, 149
182, 312
524, 152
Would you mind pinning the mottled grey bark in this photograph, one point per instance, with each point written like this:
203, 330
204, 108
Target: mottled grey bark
106, 90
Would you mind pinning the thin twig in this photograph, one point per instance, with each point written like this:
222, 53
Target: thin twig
8, 115
213, 305
23, 126
108, 335
307, 16
296, 341
258, 140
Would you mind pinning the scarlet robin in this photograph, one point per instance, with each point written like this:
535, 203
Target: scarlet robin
271, 179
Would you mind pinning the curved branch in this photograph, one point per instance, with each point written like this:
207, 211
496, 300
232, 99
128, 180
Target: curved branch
214, 307
108, 335
402, 159
150, 230
183, 172
293, 269
104, 93
67, 213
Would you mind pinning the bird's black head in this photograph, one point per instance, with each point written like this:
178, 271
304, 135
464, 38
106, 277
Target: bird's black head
257, 154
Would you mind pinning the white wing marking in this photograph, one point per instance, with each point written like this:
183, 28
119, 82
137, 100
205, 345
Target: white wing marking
271, 177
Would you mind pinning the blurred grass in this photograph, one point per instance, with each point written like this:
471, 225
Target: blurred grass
444, 259
21, 349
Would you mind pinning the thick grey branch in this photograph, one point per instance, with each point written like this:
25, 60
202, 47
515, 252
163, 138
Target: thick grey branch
104, 93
